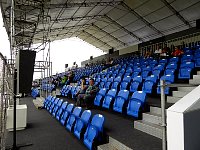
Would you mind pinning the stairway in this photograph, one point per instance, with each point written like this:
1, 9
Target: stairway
151, 122
113, 145
182, 91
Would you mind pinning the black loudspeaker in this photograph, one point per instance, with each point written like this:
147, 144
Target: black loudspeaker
198, 24
25, 62
111, 51
91, 57
66, 65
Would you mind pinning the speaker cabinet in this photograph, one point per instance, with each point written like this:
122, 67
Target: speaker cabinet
111, 51
25, 61
198, 24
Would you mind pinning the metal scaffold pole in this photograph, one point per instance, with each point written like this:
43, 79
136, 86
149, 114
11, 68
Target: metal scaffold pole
163, 115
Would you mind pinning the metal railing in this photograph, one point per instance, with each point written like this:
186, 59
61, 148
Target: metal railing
5, 97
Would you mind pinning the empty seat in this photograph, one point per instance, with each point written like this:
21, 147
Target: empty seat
174, 60
46, 101
116, 82
57, 107
135, 83
109, 98
125, 82
66, 113
100, 95
137, 101
81, 123
93, 130
185, 70
149, 83
120, 99
53, 105
170, 68
168, 80
72, 118
145, 72
61, 110
50, 103
108, 83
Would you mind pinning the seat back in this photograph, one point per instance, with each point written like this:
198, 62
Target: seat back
85, 117
139, 96
98, 121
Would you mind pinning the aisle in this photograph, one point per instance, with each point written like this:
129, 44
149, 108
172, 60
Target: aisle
44, 132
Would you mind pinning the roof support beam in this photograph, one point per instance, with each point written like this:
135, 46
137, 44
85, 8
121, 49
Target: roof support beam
176, 13
76, 18
71, 5
121, 27
97, 39
141, 18
109, 34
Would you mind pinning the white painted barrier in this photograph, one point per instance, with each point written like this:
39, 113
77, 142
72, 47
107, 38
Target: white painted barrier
183, 123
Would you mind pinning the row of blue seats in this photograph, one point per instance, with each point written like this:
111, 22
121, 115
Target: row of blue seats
69, 89
35, 92
137, 83
75, 121
120, 102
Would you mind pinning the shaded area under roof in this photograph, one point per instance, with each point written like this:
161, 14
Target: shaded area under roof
103, 23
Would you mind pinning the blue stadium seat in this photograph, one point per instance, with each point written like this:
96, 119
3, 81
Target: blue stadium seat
137, 101
174, 60
81, 123
68, 90
187, 58
185, 70
109, 83
145, 72
170, 68
93, 130
57, 107
66, 114
61, 110
101, 94
46, 101
109, 98
125, 82
53, 105
169, 79
197, 62
76, 91
50, 103
72, 118
149, 83
116, 82
120, 99
135, 83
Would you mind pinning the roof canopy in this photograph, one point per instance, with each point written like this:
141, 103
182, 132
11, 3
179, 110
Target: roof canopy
103, 23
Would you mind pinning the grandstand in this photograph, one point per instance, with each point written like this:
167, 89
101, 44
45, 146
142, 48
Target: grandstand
148, 97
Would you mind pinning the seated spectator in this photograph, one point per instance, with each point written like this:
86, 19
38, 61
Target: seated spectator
63, 81
177, 52
89, 95
148, 54
70, 77
166, 50
157, 52
80, 94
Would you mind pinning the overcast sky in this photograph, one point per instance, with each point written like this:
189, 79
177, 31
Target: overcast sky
63, 52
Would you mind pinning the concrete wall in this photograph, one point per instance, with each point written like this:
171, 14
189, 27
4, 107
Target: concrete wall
129, 49
183, 120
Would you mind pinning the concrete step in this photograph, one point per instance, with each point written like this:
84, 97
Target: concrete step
113, 145
149, 128
186, 89
179, 93
106, 147
155, 110
152, 118
198, 72
194, 82
196, 77
171, 99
